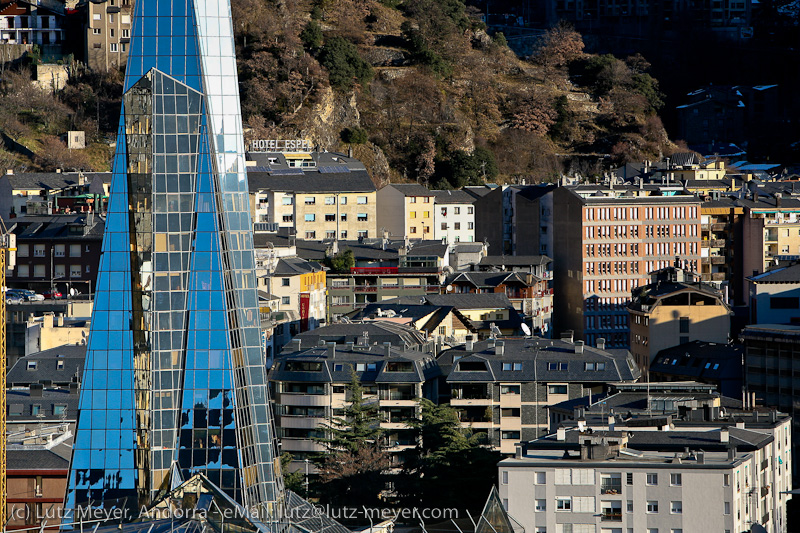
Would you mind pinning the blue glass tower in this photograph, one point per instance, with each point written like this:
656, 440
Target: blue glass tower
175, 374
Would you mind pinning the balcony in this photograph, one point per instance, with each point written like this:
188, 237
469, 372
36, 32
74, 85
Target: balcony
373, 270
611, 488
611, 515
718, 260
718, 276
365, 288
705, 227
712, 243
720, 226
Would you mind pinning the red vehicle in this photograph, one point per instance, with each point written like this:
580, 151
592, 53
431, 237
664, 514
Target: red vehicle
54, 294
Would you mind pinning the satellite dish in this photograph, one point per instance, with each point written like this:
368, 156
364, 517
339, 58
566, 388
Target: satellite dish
526, 330
449, 288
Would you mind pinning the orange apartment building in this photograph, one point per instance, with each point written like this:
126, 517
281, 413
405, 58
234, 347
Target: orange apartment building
610, 239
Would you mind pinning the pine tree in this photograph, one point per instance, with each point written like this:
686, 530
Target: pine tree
360, 425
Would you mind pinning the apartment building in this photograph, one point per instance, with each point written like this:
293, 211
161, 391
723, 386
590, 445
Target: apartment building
610, 239
675, 308
300, 287
407, 210
314, 204
719, 475
454, 216
516, 219
771, 229
502, 387
48, 193
40, 23
529, 294
775, 296
310, 389
721, 246
61, 251
108, 33
384, 270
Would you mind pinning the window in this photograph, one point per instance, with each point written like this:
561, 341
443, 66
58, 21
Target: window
338, 367
684, 324
457, 210
22, 250
60, 271
75, 271
563, 504
629, 506
96, 16
726, 480
311, 200
652, 479
38, 271
60, 250
285, 282
38, 250
95, 31
652, 506
556, 389
23, 271
541, 505
509, 389
59, 410
74, 250
676, 480
426, 214
470, 210
286, 300
114, 47
362, 234
361, 199
310, 235
413, 214
126, 33
444, 226
556, 366
512, 366
676, 530
540, 478
412, 200
343, 200
311, 217
784, 302
288, 218
32, 365
330, 234
330, 200
470, 225
505, 477
426, 200
727, 508
412, 229
457, 225
655, 529
629, 478
330, 217
286, 200
35, 409
344, 217
361, 217
343, 234
676, 507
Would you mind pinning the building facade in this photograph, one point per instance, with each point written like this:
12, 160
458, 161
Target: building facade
717, 476
502, 387
775, 296
108, 33
610, 239
454, 216
406, 210
675, 308
32, 23
175, 375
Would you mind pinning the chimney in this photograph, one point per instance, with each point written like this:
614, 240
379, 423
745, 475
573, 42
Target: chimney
296, 345
611, 422
601, 343
578, 346
581, 424
701, 458
349, 346
731, 453
499, 348
724, 435
490, 342
47, 320
36, 390
332, 350
60, 319
518, 451
387, 349
561, 434
778, 197
567, 336
74, 389
739, 423
470, 345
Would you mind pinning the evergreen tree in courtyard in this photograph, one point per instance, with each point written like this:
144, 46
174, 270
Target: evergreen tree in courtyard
352, 472
451, 467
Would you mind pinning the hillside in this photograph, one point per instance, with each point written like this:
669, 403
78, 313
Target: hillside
416, 88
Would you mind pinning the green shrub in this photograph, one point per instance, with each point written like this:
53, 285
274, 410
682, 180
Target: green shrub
344, 64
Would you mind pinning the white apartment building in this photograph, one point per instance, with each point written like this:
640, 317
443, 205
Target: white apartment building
453, 216
721, 476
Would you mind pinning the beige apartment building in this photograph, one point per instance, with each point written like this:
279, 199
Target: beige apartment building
108, 33
407, 209
314, 206
675, 308
609, 240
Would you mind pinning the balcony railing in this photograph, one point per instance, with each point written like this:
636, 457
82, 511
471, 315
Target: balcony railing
610, 515
611, 488
374, 270
365, 288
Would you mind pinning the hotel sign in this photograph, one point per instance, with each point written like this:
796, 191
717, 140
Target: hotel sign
280, 145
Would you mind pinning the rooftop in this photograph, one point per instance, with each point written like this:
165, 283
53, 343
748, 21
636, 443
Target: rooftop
787, 274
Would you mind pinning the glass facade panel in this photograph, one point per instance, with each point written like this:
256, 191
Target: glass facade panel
175, 373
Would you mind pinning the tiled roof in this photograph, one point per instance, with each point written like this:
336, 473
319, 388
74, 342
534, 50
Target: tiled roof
355, 181
453, 197
412, 189
787, 274
72, 356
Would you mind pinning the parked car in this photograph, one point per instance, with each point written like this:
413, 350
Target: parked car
31, 295
16, 294
53, 294
13, 299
